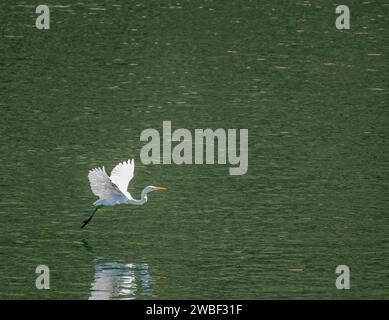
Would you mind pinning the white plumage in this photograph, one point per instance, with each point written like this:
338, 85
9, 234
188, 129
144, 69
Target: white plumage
101, 185
116, 185
122, 174
113, 190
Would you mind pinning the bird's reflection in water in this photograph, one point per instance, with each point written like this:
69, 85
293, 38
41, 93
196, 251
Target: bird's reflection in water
116, 280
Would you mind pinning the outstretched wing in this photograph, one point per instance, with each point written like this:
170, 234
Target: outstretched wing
101, 184
122, 174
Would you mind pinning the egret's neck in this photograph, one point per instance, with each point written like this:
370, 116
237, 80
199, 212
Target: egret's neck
142, 200
143, 196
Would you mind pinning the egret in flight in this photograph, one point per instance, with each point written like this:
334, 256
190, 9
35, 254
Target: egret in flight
113, 190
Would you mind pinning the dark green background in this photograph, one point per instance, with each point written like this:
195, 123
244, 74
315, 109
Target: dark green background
315, 102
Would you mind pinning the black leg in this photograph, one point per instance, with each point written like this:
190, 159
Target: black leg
89, 219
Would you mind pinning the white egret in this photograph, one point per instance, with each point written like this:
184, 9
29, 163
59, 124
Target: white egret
113, 190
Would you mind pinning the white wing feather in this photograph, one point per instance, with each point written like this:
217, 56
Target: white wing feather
122, 174
101, 184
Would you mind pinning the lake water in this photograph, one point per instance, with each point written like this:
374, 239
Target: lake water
315, 102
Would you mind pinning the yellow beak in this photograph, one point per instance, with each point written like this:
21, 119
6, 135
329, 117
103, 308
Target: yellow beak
161, 189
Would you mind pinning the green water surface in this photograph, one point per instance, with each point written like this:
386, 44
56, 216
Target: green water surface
315, 102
